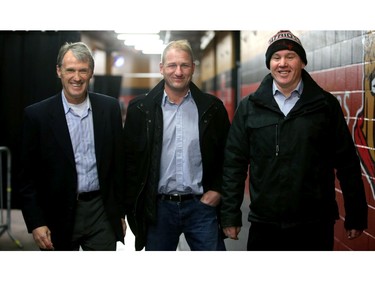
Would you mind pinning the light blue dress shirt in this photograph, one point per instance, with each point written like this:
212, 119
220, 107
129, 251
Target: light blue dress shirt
286, 104
81, 130
181, 160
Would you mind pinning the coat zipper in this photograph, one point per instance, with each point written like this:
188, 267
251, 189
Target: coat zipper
277, 140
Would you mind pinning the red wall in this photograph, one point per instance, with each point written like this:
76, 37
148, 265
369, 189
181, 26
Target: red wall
346, 84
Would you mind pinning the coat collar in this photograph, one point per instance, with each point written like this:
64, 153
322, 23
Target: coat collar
156, 96
312, 93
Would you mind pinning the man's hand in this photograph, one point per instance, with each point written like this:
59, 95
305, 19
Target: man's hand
211, 198
353, 233
124, 226
42, 237
232, 232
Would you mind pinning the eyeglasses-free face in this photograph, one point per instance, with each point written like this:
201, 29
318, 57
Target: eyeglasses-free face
75, 77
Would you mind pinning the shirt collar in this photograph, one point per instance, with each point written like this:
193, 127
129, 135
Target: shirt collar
66, 105
298, 90
165, 97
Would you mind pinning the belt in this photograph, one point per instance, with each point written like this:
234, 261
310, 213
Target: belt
87, 196
178, 197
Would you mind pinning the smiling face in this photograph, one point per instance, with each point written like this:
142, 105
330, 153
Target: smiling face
177, 70
75, 77
286, 67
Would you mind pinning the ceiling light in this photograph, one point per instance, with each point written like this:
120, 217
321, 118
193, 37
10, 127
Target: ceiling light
148, 43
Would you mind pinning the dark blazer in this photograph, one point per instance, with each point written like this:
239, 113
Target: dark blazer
48, 178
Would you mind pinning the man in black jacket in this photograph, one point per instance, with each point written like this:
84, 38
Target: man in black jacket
174, 143
293, 136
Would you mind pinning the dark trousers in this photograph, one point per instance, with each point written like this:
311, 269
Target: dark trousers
92, 229
314, 236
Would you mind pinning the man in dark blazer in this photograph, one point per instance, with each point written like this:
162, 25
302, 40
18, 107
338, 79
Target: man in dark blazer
70, 195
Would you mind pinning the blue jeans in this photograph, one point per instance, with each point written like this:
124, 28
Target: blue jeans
196, 220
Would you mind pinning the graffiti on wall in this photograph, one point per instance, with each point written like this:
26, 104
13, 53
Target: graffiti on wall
364, 127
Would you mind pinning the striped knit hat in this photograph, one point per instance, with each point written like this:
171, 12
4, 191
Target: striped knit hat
284, 40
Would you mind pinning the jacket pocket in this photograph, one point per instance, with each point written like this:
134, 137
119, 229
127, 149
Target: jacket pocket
263, 136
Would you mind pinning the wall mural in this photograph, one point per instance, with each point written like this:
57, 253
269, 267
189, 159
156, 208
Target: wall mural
364, 127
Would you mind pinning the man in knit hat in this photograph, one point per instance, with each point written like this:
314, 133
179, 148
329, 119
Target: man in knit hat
285, 40
292, 138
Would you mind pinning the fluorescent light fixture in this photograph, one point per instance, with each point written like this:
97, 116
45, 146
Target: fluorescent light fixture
206, 39
157, 50
148, 43
140, 31
137, 37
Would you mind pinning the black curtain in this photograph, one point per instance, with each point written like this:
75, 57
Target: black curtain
27, 75
108, 84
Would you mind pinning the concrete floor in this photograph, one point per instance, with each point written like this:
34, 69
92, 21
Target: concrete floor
16, 238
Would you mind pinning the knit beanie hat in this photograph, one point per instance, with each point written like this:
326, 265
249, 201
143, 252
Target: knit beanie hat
284, 40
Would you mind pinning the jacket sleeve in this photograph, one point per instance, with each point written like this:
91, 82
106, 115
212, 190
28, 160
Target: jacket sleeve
213, 150
134, 144
236, 161
31, 210
348, 172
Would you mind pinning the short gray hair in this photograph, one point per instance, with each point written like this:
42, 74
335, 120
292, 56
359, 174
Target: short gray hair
80, 50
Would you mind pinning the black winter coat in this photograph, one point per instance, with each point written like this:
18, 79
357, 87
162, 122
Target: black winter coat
292, 161
143, 143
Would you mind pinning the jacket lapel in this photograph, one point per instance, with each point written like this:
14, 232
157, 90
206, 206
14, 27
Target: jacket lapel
60, 128
98, 124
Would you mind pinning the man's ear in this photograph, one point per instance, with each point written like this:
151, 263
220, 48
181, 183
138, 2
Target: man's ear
58, 71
